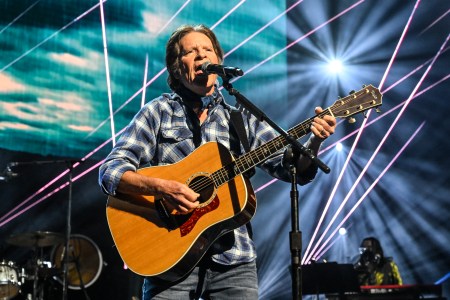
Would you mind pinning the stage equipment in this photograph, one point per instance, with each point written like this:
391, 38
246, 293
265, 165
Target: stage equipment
9, 280
85, 261
35, 239
38, 270
404, 292
330, 278
70, 164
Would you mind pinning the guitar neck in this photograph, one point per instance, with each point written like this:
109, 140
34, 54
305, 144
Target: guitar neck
357, 102
251, 159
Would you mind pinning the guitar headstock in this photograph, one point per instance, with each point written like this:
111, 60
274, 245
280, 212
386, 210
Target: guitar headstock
357, 102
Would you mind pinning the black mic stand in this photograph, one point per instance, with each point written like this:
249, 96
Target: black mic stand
76, 259
68, 233
298, 149
295, 236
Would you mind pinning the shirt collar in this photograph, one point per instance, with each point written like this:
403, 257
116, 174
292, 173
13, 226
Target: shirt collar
190, 97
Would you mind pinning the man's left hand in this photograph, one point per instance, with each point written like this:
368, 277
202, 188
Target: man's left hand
322, 128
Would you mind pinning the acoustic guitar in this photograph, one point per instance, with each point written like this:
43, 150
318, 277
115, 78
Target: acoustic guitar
153, 241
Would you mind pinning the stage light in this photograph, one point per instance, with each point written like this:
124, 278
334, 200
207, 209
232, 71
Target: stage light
342, 231
335, 66
339, 147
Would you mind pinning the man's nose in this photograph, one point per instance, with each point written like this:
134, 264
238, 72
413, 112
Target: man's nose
201, 53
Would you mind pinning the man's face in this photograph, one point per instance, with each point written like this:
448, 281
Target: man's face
196, 49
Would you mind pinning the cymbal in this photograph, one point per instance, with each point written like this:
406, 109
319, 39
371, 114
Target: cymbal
35, 239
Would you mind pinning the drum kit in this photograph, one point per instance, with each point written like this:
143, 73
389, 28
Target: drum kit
37, 276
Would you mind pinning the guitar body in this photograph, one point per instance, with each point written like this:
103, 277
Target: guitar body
168, 248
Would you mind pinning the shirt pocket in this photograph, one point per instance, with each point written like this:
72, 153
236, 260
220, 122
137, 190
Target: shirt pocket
175, 134
174, 144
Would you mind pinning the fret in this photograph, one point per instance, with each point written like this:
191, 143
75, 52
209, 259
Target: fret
357, 102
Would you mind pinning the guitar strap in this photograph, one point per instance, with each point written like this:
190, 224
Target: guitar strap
237, 129
194, 126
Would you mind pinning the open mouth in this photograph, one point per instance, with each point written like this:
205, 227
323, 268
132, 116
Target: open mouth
199, 71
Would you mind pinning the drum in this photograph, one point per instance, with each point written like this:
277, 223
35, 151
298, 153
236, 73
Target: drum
9, 280
85, 261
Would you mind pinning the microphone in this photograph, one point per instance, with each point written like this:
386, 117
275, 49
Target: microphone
223, 71
8, 174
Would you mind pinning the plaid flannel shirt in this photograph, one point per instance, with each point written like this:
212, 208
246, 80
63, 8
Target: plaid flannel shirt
160, 134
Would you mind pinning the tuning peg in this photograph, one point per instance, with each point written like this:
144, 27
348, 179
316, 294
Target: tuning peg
364, 86
351, 92
378, 110
351, 120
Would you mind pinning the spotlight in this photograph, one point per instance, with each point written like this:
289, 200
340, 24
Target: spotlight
342, 231
339, 147
335, 66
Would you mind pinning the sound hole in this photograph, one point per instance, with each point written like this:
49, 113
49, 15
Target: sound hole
203, 185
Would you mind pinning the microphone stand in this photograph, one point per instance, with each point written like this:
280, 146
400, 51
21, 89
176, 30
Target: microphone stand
76, 259
295, 236
68, 232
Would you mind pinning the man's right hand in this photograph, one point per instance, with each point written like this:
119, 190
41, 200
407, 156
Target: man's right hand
178, 196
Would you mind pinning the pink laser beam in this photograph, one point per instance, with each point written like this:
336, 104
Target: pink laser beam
61, 187
394, 55
434, 23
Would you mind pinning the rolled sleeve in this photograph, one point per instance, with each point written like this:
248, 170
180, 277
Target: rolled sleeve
134, 148
110, 174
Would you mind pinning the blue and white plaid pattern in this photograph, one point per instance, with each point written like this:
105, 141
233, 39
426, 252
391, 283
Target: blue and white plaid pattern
159, 134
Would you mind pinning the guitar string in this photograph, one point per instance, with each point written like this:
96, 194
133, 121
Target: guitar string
222, 173
258, 152
240, 161
227, 172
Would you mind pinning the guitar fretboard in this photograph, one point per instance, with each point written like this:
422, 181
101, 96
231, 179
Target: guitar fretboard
250, 159
356, 102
